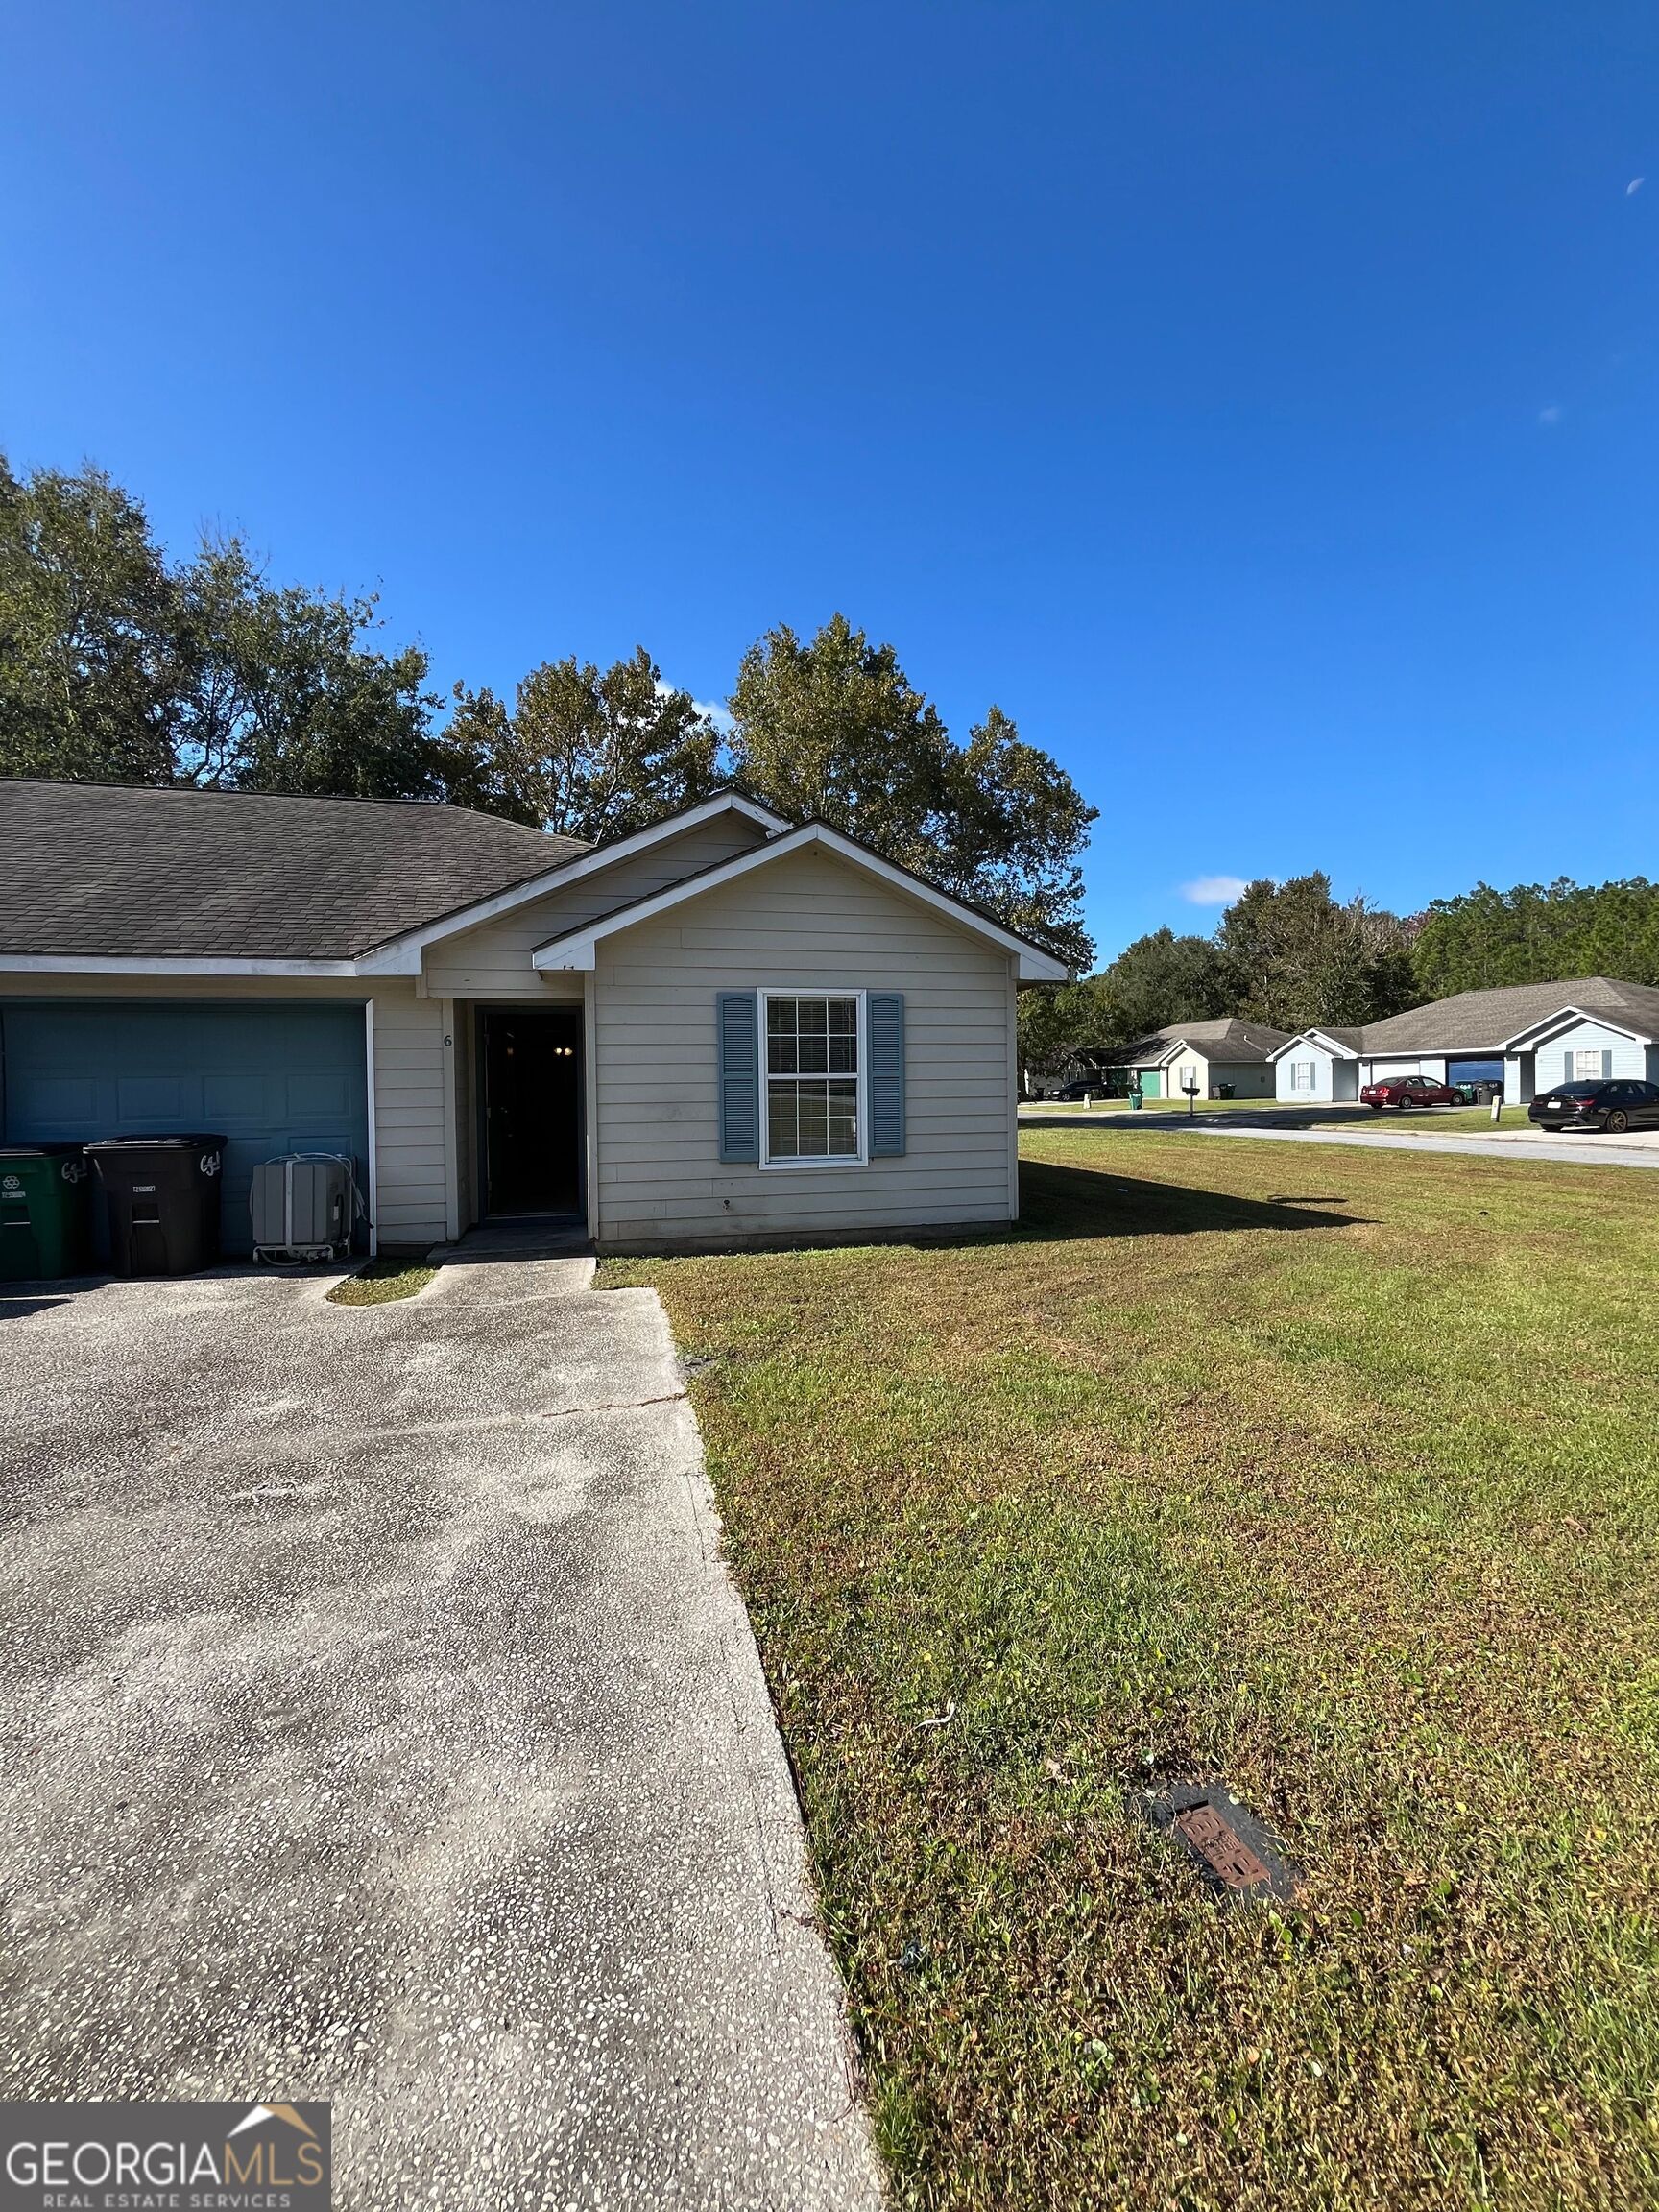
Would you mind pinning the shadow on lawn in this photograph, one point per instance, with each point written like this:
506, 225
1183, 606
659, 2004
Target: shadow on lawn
1064, 1202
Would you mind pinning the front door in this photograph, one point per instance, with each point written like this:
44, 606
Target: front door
531, 1058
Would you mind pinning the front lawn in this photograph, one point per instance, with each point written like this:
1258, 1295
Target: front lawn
1332, 1472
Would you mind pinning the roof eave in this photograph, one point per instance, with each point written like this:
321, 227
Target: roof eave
401, 955
578, 950
1540, 1031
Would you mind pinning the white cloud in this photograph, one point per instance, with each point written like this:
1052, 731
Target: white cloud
1549, 417
1213, 890
1635, 185
714, 709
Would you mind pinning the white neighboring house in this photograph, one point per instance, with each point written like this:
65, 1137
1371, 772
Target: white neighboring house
1526, 1036
1205, 1056
1319, 1067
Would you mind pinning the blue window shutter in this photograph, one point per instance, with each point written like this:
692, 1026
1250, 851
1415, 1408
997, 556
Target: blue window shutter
1566, 1067
1606, 1065
885, 1011
737, 1029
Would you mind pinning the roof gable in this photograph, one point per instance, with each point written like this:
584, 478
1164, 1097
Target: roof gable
578, 948
1488, 1021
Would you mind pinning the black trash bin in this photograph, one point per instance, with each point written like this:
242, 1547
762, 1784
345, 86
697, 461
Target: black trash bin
162, 1201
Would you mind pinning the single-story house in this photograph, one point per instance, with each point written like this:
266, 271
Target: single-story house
1526, 1036
1201, 1055
725, 1027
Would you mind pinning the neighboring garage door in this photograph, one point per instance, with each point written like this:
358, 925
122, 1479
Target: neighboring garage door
273, 1077
1474, 1071
1151, 1083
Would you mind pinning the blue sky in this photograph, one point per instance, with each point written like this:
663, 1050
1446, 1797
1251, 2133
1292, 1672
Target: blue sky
1257, 402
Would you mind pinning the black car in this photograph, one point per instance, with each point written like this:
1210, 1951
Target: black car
1086, 1087
1611, 1106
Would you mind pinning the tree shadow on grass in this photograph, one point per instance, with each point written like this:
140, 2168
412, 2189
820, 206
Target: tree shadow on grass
1059, 1203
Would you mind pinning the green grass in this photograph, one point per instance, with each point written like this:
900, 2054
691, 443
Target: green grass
1474, 1121
379, 1282
1471, 1119
1334, 1474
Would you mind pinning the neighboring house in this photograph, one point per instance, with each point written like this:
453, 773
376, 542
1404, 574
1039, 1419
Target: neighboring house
1204, 1054
1318, 1066
726, 1027
1527, 1037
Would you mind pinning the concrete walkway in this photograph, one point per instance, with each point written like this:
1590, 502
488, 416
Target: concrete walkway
1639, 1149
378, 1724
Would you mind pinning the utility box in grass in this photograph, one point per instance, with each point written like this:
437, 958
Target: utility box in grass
304, 1205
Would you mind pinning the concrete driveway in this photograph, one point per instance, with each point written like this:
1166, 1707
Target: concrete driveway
378, 1725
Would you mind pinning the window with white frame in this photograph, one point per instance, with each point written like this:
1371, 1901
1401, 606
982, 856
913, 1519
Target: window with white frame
814, 1075
1300, 1075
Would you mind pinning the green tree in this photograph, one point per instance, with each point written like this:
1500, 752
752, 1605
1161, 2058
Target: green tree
1299, 958
1538, 934
282, 693
114, 665
90, 653
1060, 1019
586, 751
1162, 978
832, 729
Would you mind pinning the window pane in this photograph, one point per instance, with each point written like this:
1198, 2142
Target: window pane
843, 1017
808, 1120
779, 1016
782, 1054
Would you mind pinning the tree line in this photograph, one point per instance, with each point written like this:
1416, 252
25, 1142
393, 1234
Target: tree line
1284, 954
119, 665
1290, 956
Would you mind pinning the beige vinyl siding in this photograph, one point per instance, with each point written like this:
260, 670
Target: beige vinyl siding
492, 961
409, 1123
412, 1168
1249, 1078
813, 921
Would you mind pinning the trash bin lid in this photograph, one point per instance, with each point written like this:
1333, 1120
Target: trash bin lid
48, 1149
194, 1144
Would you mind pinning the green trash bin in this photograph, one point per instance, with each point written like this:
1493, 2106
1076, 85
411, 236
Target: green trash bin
44, 1212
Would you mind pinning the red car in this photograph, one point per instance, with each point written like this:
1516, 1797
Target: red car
1409, 1091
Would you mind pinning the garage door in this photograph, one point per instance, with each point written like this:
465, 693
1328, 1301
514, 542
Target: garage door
275, 1078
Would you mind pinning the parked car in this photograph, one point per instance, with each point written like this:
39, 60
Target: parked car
1086, 1087
1614, 1107
1407, 1090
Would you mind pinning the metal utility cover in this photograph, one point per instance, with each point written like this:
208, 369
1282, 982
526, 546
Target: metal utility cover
1224, 1841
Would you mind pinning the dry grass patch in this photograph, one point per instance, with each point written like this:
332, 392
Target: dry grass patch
379, 1282
1333, 1472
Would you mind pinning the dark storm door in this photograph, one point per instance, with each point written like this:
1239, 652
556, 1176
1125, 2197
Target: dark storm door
532, 1109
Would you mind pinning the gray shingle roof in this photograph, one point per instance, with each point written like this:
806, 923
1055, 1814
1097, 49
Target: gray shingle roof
115, 869
1226, 1040
1480, 1020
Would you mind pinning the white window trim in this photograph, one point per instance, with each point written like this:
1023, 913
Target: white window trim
1581, 1073
1304, 1068
790, 1161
